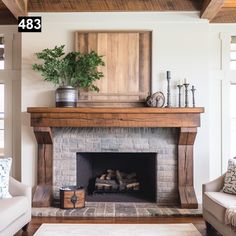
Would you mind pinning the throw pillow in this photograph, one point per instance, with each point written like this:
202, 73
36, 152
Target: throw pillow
230, 178
5, 166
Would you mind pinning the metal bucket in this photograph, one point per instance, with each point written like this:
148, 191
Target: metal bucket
66, 96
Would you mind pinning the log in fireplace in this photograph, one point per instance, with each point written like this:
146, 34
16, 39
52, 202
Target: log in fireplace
186, 119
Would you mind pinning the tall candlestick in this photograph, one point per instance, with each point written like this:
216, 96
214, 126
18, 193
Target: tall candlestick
186, 94
179, 87
168, 89
193, 95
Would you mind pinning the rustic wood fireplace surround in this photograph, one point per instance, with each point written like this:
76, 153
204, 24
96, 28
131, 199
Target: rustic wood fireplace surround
186, 119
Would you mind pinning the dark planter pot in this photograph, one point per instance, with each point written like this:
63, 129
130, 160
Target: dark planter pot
66, 96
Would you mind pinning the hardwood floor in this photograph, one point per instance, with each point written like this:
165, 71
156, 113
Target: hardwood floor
197, 221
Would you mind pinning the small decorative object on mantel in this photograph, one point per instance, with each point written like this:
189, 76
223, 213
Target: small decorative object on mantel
168, 89
71, 71
186, 84
156, 100
193, 94
72, 197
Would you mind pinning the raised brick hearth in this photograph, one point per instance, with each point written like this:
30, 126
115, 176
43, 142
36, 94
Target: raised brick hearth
69, 141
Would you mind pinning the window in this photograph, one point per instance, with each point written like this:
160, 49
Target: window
1, 119
233, 97
227, 149
233, 53
233, 119
1, 53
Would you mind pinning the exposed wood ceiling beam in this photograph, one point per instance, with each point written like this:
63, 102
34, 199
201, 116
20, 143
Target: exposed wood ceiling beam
211, 8
226, 15
6, 18
230, 3
17, 7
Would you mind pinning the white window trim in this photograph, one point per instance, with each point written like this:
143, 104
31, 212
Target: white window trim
228, 78
10, 77
6, 77
2, 148
8, 121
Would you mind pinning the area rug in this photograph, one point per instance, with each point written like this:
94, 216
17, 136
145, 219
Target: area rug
108, 209
117, 230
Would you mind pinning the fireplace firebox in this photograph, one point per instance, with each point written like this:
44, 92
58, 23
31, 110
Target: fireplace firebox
117, 177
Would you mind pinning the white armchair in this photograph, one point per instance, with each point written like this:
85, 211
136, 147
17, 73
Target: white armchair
15, 212
215, 203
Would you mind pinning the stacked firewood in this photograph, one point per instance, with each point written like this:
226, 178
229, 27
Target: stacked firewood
115, 180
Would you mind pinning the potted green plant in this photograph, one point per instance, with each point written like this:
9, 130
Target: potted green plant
69, 72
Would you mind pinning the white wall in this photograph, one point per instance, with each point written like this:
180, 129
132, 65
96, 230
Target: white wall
180, 44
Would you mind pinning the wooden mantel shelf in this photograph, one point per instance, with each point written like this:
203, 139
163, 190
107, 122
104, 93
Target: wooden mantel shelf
147, 110
115, 117
186, 119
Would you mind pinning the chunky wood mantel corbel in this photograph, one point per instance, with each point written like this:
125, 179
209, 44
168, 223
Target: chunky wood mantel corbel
185, 167
186, 119
43, 194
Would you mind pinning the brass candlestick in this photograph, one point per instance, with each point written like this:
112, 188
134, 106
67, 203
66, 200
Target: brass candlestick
193, 95
179, 87
186, 94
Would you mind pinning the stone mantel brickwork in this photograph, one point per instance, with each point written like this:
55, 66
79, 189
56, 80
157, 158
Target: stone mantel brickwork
69, 141
186, 120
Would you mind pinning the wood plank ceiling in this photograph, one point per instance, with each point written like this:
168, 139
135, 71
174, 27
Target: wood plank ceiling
216, 11
113, 5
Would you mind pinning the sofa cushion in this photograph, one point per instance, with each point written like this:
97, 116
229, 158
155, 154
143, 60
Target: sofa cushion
230, 178
11, 209
5, 166
217, 202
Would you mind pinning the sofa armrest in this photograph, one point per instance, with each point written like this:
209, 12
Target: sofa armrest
17, 188
215, 185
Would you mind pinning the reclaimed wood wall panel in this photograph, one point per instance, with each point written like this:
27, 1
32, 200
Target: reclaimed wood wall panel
127, 71
144, 56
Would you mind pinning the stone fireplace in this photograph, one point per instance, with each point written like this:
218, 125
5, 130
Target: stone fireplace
153, 150
63, 133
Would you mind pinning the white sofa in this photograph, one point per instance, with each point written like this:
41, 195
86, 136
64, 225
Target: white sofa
15, 212
215, 203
